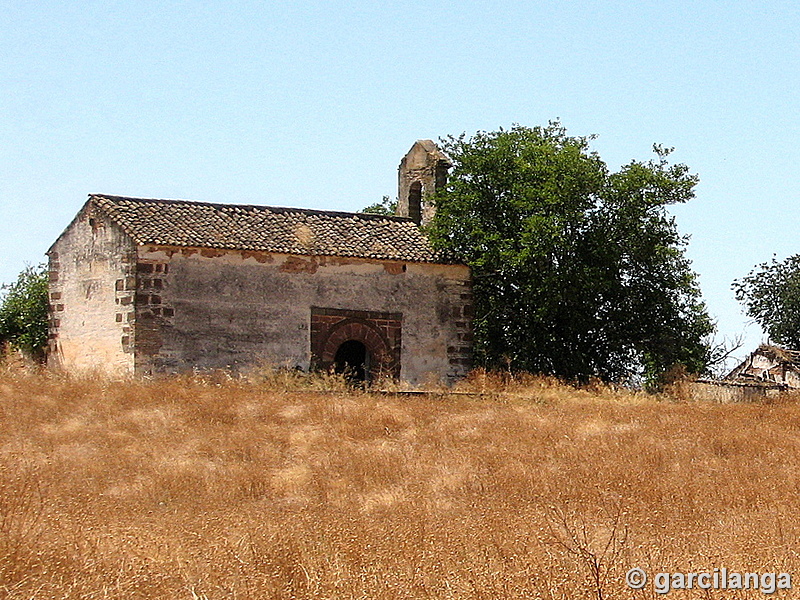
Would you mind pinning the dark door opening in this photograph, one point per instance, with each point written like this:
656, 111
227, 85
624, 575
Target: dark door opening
351, 361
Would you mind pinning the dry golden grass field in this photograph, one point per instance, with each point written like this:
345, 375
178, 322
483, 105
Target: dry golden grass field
193, 488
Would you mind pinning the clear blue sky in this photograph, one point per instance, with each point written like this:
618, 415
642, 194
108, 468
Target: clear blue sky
313, 104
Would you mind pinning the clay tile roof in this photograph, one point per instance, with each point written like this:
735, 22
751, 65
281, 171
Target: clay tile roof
268, 228
780, 355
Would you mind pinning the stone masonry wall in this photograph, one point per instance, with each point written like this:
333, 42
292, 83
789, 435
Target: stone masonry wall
92, 285
205, 309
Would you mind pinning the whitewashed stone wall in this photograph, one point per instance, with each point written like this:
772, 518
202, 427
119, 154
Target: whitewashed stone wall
127, 309
92, 287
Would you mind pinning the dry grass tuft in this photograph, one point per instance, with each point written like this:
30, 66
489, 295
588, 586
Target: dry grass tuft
210, 487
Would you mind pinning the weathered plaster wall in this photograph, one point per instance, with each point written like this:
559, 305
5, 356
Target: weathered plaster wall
91, 297
200, 308
792, 378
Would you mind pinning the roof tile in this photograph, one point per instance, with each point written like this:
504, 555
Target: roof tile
268, 229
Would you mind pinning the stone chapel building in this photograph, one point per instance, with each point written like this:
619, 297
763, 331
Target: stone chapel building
144, 286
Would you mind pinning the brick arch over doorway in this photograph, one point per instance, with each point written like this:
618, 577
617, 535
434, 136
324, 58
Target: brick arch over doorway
380, 332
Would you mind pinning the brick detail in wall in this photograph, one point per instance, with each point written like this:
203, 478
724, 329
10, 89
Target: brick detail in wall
53, 319
124, 289
380, 332
150, 283
461, 354
152, 312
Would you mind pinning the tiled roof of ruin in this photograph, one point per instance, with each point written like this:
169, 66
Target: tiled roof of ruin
782, 359
268, 229
780, 355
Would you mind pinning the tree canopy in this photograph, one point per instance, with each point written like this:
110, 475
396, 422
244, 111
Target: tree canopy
578, 271
771, 296
23, 312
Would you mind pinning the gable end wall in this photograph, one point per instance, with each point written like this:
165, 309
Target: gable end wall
92, 285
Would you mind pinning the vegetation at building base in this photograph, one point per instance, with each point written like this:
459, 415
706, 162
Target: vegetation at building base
771, 296
578, 272
23, 313
202, 488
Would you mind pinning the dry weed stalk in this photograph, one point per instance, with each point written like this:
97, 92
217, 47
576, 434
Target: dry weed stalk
597, 546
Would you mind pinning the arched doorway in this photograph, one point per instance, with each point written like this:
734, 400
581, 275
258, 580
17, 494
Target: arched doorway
339, 336
352, 361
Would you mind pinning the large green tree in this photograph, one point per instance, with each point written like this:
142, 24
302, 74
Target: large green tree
771, 296
23, 312
578, 271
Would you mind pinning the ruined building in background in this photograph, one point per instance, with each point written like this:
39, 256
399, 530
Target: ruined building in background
768, 365
141, 286
766, 372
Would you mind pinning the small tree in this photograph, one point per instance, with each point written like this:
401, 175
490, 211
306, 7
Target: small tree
771, 296
384, 207
23, 312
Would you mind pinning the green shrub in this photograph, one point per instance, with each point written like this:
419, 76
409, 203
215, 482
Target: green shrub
23, 312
